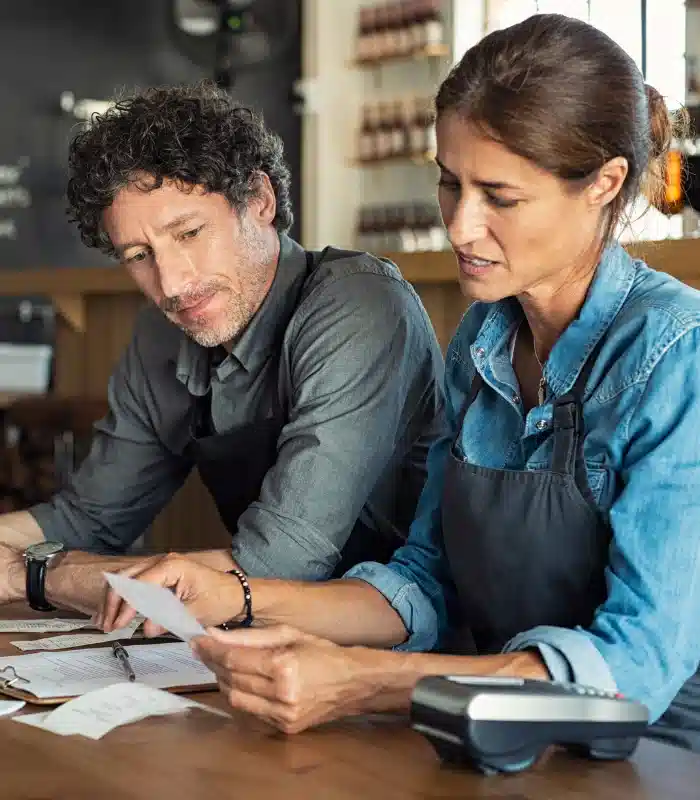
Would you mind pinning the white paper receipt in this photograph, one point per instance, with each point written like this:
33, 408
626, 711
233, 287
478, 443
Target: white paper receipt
43, 625
97, 713
68, 640
157, 604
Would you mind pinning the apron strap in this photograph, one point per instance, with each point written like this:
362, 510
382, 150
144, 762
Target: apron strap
568, 429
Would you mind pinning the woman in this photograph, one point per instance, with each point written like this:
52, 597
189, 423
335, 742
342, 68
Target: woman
557, 535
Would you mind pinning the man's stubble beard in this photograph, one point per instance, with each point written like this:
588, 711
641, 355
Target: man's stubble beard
241, 307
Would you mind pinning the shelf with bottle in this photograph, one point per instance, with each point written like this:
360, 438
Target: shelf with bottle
401, 228
400, 130
396, 31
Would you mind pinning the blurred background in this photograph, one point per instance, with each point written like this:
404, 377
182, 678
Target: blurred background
346, 83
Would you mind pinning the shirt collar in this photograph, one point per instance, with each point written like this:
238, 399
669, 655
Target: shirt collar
607, 293
262, 335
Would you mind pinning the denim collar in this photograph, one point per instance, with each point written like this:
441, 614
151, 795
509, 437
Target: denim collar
606, 295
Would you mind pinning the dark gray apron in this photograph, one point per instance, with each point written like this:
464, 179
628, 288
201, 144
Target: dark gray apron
233, 464
529, 548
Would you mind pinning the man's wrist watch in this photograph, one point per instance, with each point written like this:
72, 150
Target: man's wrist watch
37, 557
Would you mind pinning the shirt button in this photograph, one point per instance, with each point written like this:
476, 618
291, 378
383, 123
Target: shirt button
516, 399
542, 425
480, 352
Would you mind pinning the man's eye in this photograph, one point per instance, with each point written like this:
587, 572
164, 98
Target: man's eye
191, 233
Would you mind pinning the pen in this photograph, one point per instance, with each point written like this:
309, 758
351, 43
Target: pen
123, 656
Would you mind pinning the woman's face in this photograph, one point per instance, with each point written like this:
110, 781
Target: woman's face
515, 228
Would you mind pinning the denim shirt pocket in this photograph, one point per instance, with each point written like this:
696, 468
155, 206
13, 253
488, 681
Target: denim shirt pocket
600, 483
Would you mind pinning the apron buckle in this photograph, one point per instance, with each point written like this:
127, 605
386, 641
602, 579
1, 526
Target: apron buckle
566, 414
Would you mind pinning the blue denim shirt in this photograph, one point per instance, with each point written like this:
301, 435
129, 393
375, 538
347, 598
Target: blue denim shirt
642, 452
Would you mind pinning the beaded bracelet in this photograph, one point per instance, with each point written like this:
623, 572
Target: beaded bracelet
247, 603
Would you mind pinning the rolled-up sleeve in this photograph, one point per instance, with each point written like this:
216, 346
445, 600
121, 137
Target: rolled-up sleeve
362, 361
644, 638
406, 597
125, 480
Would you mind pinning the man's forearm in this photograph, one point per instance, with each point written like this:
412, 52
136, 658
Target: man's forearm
19, 529
77, 581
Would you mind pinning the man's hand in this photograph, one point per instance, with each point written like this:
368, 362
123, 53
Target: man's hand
12, 575
290, 679
212, 596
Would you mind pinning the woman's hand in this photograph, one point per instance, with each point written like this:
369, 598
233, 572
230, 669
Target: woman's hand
290, 679
211, 596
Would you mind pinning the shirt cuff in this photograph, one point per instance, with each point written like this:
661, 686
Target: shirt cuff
568, 654
407, 599
285, 556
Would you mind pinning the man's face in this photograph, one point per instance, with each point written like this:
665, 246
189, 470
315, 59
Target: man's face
206, 266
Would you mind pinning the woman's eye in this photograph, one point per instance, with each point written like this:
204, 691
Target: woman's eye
500, 202
449, 185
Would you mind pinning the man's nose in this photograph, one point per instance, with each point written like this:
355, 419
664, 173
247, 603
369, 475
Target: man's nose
175, 272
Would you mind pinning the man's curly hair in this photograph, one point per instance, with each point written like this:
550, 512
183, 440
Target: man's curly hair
195, 135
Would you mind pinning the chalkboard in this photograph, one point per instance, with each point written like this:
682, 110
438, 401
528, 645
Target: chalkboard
92, 49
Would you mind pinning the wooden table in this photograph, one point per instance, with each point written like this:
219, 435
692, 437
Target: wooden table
198, 755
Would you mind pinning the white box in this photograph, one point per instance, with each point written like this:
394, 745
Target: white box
25, 368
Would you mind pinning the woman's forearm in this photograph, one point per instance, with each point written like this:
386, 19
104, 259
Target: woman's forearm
385, 680
348, 612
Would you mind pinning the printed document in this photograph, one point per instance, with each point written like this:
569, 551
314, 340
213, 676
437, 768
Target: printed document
76, 672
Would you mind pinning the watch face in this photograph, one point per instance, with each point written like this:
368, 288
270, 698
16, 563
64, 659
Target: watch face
43, 550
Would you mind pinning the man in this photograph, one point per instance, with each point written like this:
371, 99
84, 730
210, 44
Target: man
305, 387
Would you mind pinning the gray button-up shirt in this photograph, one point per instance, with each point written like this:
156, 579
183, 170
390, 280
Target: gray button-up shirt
351, 349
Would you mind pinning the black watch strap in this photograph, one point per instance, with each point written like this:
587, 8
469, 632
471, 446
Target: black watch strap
36, 577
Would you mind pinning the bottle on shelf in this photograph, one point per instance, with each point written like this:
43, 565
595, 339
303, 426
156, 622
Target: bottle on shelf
363, 43
391, 33
368, 133
385, 131
403, 34
432, 24
381, 31
422, 143
399, 132
415, 26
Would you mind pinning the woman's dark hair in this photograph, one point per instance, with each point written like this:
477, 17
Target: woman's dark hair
565, 96
194, 135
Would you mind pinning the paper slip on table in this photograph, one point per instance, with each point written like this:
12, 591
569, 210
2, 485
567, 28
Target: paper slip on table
195, 756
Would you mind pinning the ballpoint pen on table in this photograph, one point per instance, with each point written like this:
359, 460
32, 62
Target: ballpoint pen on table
121, 654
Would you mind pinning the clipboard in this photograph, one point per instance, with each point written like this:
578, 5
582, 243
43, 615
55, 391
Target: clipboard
14, 685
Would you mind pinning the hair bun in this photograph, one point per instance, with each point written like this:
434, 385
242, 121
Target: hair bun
660, 123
